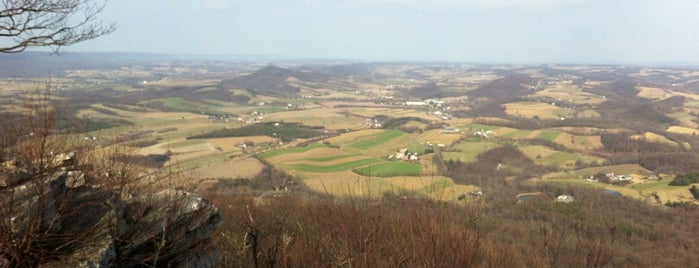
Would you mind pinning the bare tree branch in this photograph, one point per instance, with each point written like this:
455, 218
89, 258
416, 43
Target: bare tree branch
49, 23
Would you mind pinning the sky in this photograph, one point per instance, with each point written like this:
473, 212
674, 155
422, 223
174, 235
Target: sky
478, 31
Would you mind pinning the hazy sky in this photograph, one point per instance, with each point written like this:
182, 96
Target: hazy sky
503, 31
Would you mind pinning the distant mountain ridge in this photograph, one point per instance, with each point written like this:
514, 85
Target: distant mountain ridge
32, 64
272, 81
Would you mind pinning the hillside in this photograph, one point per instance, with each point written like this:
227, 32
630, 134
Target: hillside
271, 81
435, 146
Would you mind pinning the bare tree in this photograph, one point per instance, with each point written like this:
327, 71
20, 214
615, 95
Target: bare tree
49, 23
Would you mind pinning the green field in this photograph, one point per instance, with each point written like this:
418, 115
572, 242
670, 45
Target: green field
477, 127
291, 150
435, 187
469, 150
548, 134
334, 168
378, 139
330, 158
546, 156
390, 169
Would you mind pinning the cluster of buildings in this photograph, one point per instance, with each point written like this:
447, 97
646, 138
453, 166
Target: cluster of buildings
404, 154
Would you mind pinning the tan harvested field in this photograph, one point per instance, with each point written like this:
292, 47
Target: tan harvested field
339, 104
588, 114
653, 137
347, 183
351, 184
315, 153
354, 136
588, 131
653, 93
639, 188
682, 130
532, 109
414, 183
393, 112
576, 142
617, 169
194, 156
686, 119
435, 136
178, 147
240, 168
332, 119
327, 163
570, 93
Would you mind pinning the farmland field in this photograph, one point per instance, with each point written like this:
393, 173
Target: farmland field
536, 109
375, 140
333, 168
390, 169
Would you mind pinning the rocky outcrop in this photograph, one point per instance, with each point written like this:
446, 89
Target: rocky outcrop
66, 220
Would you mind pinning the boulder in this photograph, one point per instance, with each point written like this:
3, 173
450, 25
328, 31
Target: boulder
75, 224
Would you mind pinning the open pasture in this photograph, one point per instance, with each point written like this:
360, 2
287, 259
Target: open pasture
469, 150
616, 169
393, 112
295, 153
536, 109
241, 168
589, 113
653, 137
546, 156
686, 119
333, 119
390, 169
323, 168
653, 93
682, 130
436, 136
348, 184
570, 93
579, 142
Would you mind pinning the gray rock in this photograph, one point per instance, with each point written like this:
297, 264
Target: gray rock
95, 227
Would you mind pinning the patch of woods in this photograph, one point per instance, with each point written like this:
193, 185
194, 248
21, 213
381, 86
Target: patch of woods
492, 167
399, 123
148, 161
284, 131
656, 156
430, 90
685, 179
597, 230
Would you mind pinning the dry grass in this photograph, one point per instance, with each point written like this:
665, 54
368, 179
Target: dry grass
653, 137
314, 153
239, 168
686, 119
588, 114
329, 118
577, 142
570, 93
653, 93
682, 130
532, 109
435, 136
